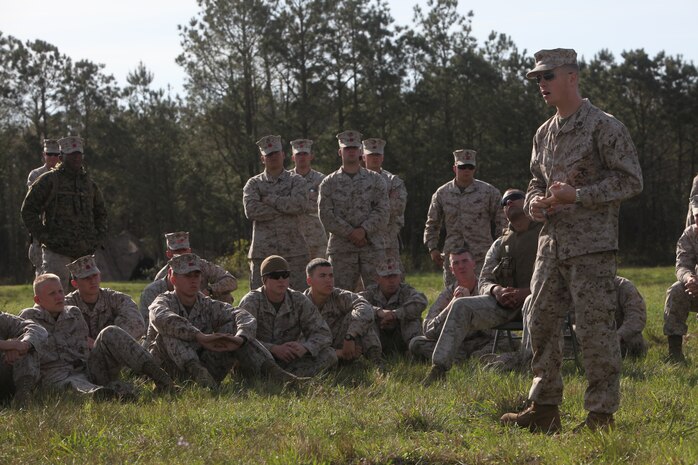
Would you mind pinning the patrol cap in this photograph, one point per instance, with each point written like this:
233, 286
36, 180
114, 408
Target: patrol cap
273, 263
373, 146
71, 144
177, 240
301, 145
269, 144
551, 59
388, 267
464, 157
51, 146
349, 139
83, 267
185, 263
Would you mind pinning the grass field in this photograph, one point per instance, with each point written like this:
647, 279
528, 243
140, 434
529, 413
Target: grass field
357, 416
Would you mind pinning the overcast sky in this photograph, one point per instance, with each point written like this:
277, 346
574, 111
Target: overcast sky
120, 34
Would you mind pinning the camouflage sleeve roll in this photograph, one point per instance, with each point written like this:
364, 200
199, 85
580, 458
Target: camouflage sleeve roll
329, 217
167, 322
377, 221
220, 280
632, 307
14, 327
432, 228
255, 209
316, 334
412, 303
128, 317
362, 314
441, 302
487, 280
293, 204
687, 254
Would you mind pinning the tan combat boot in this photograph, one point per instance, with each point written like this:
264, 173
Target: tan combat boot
537, 418
596, 422
436, 373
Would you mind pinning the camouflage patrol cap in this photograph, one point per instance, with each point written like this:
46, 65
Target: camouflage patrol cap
273, 263
71, 144
349, 139
464, 157
269, 144
185, 263
388, 267
551, 59
301, 146
51, 146
177, 240
83, 267
373, 146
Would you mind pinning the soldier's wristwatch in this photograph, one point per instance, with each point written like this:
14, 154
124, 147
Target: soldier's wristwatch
576, 197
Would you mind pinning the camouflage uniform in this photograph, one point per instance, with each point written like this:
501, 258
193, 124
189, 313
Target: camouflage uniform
575, 266
422, 346
36, 173
174, 328
148, 295
469, 215
408, 304
112, 308
509, 263
65, 212
66, 360
348, 202
678, 302
311, 227
14, 327
348, 313
276, 207
215, 277
297, 319
397, 196
35, 246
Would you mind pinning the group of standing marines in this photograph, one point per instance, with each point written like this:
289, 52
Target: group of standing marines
326, 281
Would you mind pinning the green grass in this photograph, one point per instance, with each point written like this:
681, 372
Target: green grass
356, 416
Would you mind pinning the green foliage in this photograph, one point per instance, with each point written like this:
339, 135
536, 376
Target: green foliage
357, 416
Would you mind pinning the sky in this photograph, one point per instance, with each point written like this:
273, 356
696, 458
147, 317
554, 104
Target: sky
122, 34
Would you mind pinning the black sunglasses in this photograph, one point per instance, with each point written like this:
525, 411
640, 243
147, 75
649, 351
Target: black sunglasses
545, 77
53, 154
549, 76
511, 197
278, 275
465, 167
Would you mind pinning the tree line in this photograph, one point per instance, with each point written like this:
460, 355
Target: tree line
310, 69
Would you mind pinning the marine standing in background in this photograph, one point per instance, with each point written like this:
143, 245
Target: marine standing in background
583, 165
470, 211
354, 210
275, 201
373, 155
311, 226
216, 281
64, 210
50, 156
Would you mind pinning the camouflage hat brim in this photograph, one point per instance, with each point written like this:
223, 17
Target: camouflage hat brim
540, 68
